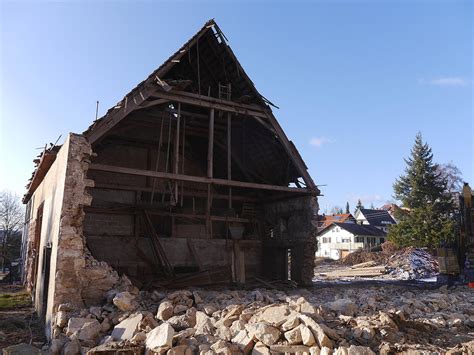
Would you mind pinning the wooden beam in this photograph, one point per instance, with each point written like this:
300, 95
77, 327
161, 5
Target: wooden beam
119, 112
229, 155
210, 147
186, 193
208, 212
198, 179
152, 103
176, 151
199, 216
210, 102
220, 101
292, 152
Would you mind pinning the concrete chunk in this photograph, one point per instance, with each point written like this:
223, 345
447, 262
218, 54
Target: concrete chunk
293, 336
360, 350
318, 332
292, 349
307, 336
291, 323
126, 329
276, 315
160, 338
21, 349
243, 341
116, 349
75, 324
125, 301
265, 333
260, 349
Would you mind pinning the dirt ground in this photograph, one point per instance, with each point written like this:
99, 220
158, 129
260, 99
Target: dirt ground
18, 321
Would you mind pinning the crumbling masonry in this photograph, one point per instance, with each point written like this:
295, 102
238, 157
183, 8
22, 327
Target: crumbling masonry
188, 180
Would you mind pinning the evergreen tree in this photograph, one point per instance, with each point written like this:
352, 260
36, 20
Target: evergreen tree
359, 205
372, 207
347, 207
423, 191
422, 183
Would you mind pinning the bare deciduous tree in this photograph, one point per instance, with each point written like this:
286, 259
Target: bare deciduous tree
336, 210
452, 176
11, 213
11, 221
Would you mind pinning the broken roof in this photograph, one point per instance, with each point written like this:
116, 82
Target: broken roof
222, 68
209, 44
209, 32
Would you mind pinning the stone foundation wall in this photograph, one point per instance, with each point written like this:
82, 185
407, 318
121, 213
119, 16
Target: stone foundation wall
293, 222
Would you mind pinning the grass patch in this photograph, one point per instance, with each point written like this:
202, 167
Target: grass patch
14, 300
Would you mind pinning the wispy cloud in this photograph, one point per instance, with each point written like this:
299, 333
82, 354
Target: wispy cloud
445, 81
319, 141
367, 199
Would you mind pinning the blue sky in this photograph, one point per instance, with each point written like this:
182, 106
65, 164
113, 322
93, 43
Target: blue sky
354, 80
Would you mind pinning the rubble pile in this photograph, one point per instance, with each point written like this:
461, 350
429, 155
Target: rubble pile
305, 321
401, 264
412, 264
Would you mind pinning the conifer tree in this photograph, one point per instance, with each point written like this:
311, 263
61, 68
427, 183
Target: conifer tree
359, 205
347, 207
423, 183
423, 191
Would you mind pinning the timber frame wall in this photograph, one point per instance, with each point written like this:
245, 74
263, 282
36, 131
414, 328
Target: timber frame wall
190, 174
195, 153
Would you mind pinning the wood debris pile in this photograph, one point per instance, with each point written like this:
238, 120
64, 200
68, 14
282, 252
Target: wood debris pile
401, 264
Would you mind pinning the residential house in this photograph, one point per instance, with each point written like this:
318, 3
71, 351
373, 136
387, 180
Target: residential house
391, 208
339, 239
380, 219
325, 221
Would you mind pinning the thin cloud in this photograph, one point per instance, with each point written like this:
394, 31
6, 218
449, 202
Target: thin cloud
319, 141
367, 199
445, 81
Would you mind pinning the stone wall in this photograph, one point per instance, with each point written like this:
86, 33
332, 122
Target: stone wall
75, 277
30, 256
292, 224
80, 279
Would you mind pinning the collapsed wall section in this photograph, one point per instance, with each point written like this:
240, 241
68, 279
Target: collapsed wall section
80, 279
59, 268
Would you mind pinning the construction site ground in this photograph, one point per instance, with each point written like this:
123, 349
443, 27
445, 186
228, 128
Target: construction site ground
18, 320
324, 319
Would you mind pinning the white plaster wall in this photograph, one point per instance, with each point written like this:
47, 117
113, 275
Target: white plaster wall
337, 235
50, 192
359, 217
332, 249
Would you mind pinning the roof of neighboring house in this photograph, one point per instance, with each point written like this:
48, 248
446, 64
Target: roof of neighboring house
361, 229
340, 217
377, 217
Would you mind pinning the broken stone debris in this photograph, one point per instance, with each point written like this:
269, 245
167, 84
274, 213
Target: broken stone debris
324, 321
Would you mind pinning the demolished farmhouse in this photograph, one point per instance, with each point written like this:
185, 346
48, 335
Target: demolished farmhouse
188, 180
